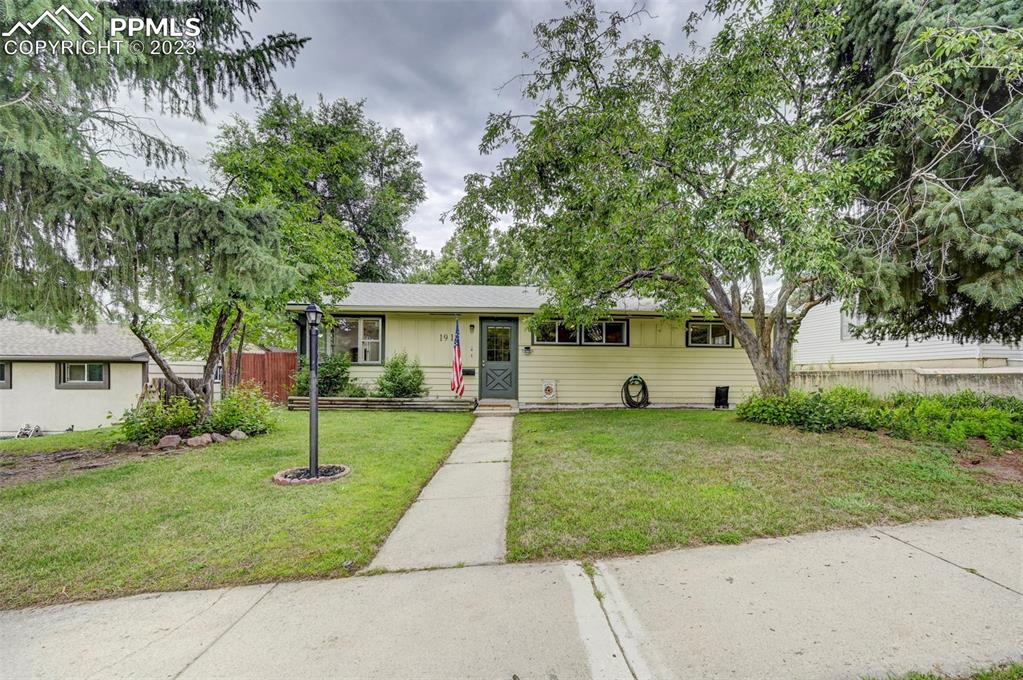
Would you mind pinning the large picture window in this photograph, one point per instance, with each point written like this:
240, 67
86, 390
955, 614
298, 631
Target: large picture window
600, 333
5, 375
708, 334
83, 375
361, 338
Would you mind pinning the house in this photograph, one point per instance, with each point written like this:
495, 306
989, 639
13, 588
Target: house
58, 381
504, 358
825, 341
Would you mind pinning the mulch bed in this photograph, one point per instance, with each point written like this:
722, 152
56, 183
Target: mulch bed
302, 475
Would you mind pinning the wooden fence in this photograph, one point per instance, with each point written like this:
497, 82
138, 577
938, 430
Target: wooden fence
273, 371
166, 389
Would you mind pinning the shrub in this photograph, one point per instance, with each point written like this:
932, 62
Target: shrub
332, 373
243, 408
153, 419
950, 418
402, 378
355, 389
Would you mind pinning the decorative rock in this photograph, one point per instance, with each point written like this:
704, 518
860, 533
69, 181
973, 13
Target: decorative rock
238, 434
201, 440
170, 441
125, 447
219, 438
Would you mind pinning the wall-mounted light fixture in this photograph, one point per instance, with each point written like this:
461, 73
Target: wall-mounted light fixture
472, 328
527, 350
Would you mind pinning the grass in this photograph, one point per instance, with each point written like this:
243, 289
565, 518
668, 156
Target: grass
212, 517
1013, 671
602, 483
102, 439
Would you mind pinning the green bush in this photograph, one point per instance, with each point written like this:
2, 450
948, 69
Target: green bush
333, 376
355, 389
402, 378
243, 408
950, 418
153, 419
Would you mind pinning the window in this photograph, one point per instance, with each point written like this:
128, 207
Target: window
846, 332
600, 333
83, 375
361, 338
708, 334
5, 375
555, 333
607, 333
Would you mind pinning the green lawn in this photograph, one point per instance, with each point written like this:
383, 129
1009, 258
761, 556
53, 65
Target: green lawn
102, 439
1013, 671
602, 483
212, 516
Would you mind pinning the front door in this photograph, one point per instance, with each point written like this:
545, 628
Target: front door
499, 359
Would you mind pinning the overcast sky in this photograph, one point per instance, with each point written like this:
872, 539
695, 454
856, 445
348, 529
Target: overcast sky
432, 68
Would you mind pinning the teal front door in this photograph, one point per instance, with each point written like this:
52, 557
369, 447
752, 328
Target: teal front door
499, 359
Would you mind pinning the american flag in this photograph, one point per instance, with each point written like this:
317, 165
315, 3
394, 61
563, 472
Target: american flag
457, 383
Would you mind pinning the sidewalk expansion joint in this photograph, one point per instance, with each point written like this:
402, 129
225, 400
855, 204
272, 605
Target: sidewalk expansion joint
968, 570
225, 631
607, 617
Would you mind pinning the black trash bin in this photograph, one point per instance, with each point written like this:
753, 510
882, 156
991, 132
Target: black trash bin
721, 397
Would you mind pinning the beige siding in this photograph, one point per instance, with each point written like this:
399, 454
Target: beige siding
674, 373
428, 338
34, 399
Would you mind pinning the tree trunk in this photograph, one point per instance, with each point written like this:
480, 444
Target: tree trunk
203, 398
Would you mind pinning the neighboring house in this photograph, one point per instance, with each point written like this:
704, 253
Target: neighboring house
825, 341
503, 358
74, 380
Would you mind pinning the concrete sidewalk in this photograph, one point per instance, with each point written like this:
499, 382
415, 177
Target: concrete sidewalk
945, 596
459, 518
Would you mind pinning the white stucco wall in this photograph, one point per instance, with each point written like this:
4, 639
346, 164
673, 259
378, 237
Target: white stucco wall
35, 400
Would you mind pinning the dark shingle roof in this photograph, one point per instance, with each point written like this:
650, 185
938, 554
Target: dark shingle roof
107, 341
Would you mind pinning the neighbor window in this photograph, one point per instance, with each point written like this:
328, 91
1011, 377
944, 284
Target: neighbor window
361, 338
5, 375
606, 333
708, 334
83, 375
555, 333
845, 332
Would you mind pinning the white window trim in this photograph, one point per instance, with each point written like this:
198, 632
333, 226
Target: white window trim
603, 334
359, 335
689, 341
86, 364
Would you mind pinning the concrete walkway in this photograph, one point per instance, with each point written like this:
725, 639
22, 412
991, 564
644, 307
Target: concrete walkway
459, 518
943, 596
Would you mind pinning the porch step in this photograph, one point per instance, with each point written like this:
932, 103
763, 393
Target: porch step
497, 407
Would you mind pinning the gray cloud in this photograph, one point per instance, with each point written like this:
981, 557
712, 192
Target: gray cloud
429, 67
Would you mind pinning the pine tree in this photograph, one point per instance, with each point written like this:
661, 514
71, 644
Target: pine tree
938, 238
82, 241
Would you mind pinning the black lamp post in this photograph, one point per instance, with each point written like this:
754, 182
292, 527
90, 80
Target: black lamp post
313, 316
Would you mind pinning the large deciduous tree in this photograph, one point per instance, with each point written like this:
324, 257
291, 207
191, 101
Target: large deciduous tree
80, 240
345, 184
939, 240
695, 178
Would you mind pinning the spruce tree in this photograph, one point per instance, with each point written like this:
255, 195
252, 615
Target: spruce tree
938, 237
82, 241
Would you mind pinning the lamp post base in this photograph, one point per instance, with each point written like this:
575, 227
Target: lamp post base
301, 475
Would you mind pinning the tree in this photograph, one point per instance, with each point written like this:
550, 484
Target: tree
689, 178
81, 240
939, 240
345, 184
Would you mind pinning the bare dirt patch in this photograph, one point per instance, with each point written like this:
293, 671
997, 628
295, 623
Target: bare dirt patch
19, 468
1007, 465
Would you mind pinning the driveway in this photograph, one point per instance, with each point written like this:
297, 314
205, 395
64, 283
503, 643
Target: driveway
946, 596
